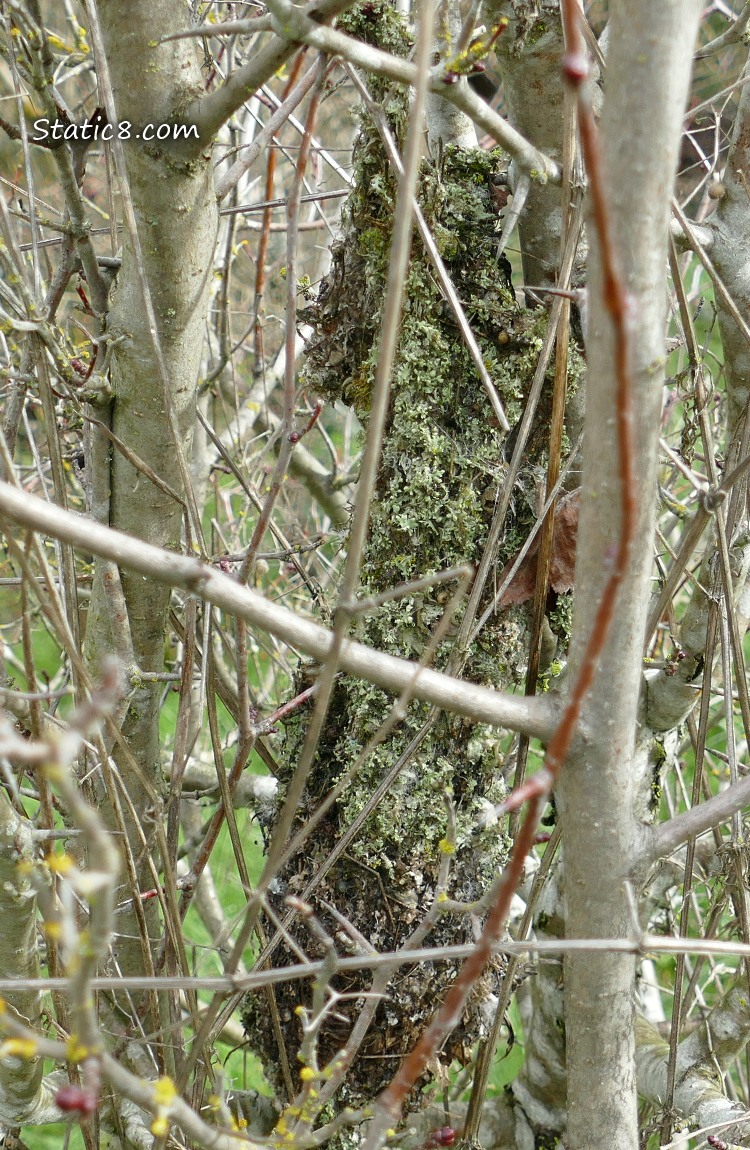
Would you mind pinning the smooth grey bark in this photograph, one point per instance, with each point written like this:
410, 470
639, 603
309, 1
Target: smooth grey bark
447, 124
730, 225
176, 218
702, 1058
649, 65
529, 52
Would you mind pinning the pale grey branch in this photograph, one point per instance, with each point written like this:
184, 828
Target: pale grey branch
732, 35
534, 716
293, 26
209, 112
665, 838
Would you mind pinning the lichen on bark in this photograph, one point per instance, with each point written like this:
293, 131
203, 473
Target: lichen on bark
441, 469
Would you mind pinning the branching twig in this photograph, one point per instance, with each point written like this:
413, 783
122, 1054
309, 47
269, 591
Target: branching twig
292, 26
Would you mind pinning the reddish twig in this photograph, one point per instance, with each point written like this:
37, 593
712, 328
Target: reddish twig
187, 882
293, 204
84, 300
268, 725
444, 1136
617, 303
83, 369
262, 249
295, 436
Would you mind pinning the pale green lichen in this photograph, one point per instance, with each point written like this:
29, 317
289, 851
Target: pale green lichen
441, 467
442, 452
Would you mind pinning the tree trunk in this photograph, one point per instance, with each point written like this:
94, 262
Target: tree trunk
152, 410
648, 71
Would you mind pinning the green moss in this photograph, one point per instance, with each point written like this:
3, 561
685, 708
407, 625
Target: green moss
457, 205
442, 452
378, 23
441, 466
561, 617
547, 1140
537, 31
655, 793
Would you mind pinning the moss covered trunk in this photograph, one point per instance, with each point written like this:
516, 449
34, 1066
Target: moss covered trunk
443, 465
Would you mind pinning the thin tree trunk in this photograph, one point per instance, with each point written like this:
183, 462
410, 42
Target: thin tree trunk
175, 213
645, 93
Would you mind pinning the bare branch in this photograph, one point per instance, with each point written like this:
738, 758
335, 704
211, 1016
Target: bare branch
535, 716
665, 838
292, 26
732, 35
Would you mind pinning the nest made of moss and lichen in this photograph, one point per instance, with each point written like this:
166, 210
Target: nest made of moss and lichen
442, 465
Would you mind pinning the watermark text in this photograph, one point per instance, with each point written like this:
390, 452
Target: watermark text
45, 130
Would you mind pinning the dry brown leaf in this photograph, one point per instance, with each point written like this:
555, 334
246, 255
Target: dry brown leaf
562, 560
